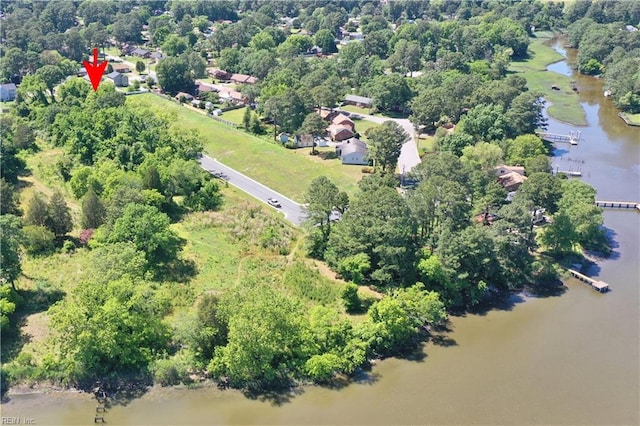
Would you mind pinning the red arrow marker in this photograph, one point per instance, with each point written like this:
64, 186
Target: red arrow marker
96, 70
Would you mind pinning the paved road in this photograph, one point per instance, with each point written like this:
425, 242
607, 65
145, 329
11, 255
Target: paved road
293, 211
409, 157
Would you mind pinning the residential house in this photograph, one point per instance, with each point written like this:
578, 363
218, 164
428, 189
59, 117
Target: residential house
156, 56
328, 114
7, 92
204, 88
141, 53
511, 181
304, 141
343, 120
503, 169
121, 68
340, 133
219, 74
187, 97
359, 101
120, 80
243, 79
232, 96
353, 151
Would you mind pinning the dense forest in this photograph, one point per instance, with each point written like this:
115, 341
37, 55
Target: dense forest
125, 199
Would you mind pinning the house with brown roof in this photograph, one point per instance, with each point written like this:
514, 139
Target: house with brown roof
343, 120
511, 181
353, 151
328, 114
339, 132
219, 74
187, 97
121, 68
243, 79
503, 169
232, 96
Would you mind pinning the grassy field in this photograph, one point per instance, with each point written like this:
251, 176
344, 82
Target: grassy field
234, 115
426, 143
633, 119
287, 171
565, 105
363, 125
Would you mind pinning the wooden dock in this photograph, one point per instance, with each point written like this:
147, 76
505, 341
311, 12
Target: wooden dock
573, 137
619, 204
599, 286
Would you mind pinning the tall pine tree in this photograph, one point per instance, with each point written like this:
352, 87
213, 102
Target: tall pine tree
93, 211
59, 220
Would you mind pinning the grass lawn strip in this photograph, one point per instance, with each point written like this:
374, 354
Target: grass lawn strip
287, 171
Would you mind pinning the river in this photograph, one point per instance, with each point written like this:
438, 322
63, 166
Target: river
572, 358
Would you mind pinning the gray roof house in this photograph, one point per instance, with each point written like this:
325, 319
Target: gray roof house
353, 151
143, 53
120, 80
359, 101
7, 92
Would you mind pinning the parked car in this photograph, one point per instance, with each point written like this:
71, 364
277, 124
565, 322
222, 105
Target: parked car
273, 202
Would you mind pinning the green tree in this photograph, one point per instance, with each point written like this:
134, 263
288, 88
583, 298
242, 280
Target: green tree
174, 75
8, 199
378, 224
389, 92
59, 219
51, 76
560, 236
522, 148
116, 329
321, 199
350, 297
524, 115
264, 341
315, 126
354, 267
10, 235
485, 123
93, 211
543, 189
37, 210
140, 67
325, 40
7, 307
149, 230
455, 142
385, 144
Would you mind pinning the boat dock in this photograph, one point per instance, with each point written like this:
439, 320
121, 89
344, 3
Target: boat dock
599, 286
619, 204
573, 137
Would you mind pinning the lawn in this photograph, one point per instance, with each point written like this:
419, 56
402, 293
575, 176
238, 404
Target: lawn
287, 171
426, 143
363, 125
632, 119
234, 115
565, 104
357, 110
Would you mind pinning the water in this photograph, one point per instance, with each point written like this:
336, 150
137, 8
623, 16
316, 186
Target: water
566, 359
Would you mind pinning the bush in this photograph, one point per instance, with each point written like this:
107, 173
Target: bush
37, 239
172, 371
68, 247
350, 297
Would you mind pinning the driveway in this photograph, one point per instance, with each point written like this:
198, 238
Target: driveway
292, 211
409, 157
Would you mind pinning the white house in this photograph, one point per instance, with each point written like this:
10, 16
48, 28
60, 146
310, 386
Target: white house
7, 92
353, 151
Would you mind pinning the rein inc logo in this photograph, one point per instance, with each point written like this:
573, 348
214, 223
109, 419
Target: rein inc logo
17, 421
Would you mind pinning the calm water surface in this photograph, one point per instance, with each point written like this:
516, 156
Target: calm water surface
566, 359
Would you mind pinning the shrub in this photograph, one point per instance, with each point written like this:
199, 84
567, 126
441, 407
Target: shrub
37, 239
68, 246
350, 297
172, 371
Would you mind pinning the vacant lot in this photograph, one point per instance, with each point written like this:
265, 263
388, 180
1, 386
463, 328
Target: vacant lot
287, 171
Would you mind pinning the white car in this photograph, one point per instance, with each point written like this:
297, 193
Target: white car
273, 202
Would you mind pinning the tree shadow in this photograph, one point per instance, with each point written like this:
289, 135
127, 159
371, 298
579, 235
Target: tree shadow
501, 303
180, 270
276, 397
553, 289
327, 155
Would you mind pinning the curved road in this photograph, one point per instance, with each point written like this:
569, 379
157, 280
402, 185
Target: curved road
293, 212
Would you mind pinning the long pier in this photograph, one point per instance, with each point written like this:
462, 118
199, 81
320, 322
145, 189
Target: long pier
599, 286
619, 204
573, 137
